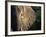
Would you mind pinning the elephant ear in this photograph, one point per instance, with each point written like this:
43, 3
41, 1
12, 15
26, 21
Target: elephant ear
31, 15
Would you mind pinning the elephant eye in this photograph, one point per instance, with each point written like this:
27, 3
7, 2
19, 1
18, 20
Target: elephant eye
18, 10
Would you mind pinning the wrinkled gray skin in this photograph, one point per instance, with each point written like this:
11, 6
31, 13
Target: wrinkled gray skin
26, 17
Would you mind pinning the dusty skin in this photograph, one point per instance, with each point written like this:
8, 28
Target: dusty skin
26, 17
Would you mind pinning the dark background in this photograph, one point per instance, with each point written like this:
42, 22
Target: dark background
37, 24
